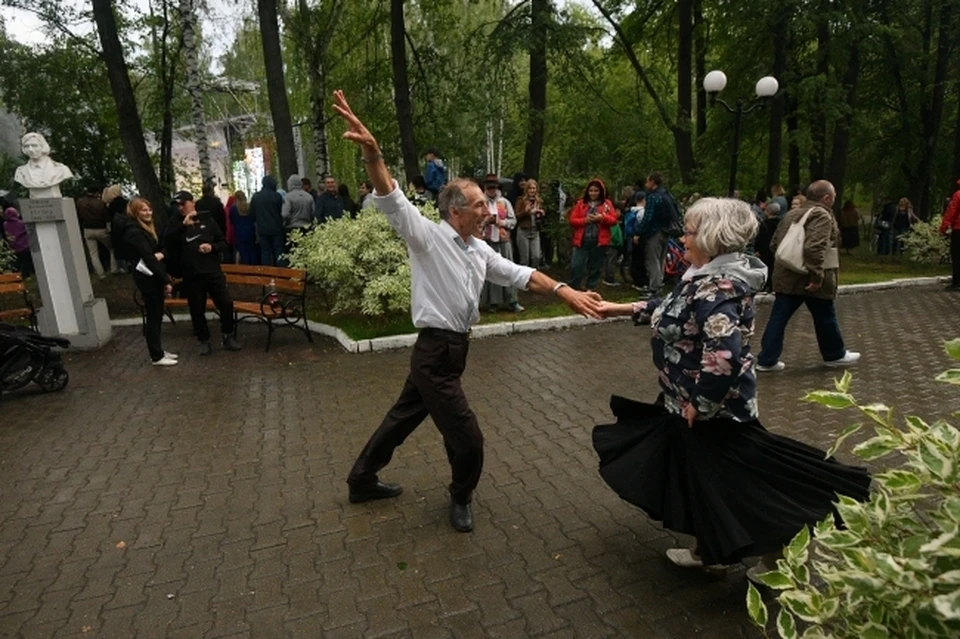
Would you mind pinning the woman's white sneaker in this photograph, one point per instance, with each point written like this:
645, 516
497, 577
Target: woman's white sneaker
685, 558
165, 361
850, 357
773, 368
170, 355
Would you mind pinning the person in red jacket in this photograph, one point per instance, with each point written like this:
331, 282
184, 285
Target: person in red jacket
591, 219
951, 222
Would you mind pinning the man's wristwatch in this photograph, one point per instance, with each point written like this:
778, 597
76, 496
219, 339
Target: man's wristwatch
558, 286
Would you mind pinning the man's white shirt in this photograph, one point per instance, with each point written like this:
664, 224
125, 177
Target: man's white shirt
447, 274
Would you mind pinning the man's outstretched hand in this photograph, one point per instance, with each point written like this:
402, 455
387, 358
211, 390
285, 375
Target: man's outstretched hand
586, 303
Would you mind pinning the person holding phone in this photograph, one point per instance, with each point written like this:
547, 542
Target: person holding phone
199, 242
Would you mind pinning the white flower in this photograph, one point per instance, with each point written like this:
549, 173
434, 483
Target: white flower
718, 325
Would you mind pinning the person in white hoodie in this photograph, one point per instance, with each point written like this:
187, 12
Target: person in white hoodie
297, 211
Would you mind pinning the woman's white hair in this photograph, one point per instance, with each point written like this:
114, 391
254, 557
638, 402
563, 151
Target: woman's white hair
44, 146
723, 225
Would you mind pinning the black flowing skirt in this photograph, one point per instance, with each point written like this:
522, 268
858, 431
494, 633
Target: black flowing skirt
739, 489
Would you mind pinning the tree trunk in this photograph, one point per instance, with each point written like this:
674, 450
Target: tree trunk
956, 142
932, 115
277, 87
401, 90
683, 129
818, 116
537, 88
189, 17
318, 103
700, 44
131, 128
780, 41
793, 151
841, 133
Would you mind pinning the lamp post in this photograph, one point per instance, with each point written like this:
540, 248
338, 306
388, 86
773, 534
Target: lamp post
713, 83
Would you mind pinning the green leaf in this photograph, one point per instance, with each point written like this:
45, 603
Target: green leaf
953, 348
951, 376
813, 632
843, 384
951, 578
831, 399
916, 425
948, 605
798, 545
786, 625
873, 631
899, 480
800, 604
879, 413
401, 565
849, 430
776, 579
939, 542
929, 624
755, 607
874, 448
934, 459
952, 508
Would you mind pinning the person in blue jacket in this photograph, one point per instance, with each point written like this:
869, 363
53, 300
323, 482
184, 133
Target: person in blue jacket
435, 172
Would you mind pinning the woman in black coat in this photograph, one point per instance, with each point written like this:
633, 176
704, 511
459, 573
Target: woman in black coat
149, 274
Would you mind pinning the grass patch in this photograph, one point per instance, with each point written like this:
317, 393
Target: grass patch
864, 267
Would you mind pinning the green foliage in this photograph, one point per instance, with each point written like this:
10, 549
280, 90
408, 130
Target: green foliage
925, 244
362, 263
894, 570
8, 259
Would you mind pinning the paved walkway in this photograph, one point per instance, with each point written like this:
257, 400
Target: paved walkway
208, 500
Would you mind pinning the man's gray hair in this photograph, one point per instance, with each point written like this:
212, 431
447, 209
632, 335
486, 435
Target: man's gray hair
452, 195
819, 190
722, 225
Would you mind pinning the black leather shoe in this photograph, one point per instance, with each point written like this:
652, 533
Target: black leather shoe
230, 343
205, 348
379, 490
461, 517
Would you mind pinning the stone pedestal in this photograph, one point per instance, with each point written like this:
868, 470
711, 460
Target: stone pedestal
69, 308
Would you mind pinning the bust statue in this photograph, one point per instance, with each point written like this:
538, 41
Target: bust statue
40, 174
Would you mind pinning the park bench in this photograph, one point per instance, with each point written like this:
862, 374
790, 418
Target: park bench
12, 287
271, 295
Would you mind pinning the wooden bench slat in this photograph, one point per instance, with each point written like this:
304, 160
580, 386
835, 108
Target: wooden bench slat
14, 288
292, 286
9, 278
16, 312
276, 272
254, 308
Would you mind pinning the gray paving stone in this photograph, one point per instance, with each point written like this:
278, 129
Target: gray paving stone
224, 478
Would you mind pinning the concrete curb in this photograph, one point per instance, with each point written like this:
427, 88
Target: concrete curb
535, 325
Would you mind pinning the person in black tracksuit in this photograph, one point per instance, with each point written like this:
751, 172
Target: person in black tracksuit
199, 242
141, 246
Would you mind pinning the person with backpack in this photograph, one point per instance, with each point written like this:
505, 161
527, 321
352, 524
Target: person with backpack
661, 217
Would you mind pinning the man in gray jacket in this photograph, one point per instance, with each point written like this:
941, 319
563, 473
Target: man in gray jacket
816, 288
297, 211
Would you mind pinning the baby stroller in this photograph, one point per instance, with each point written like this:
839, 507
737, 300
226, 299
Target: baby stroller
27, 356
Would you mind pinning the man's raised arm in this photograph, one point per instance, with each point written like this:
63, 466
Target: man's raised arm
372, 157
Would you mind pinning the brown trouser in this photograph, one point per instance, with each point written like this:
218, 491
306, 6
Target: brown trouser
432, 388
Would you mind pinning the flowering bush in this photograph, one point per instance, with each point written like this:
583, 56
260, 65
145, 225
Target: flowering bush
362, 263
894, 570
925, 244
8, 259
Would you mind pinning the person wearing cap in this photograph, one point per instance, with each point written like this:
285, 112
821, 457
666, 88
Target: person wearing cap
199, 242
434, 172
448, 265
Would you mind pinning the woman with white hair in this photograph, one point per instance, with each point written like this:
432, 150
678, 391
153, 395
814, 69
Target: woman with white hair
697, 459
